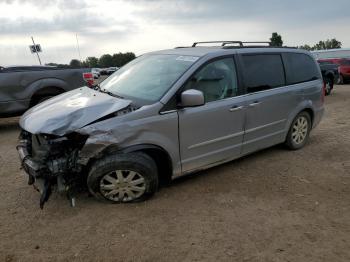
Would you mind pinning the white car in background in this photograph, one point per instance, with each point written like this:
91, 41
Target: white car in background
96, 73
111, 70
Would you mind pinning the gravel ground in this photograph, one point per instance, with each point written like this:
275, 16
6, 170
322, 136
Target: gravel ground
275, 205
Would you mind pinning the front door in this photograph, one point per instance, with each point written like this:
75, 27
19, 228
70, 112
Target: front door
212, 133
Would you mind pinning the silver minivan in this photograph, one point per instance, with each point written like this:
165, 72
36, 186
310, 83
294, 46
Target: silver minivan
170, 113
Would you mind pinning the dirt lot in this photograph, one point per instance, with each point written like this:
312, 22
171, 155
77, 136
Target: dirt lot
275, 205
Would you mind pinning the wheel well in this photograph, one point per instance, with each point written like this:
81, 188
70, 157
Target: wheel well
163, 162
311, 113
158, 154
46, 91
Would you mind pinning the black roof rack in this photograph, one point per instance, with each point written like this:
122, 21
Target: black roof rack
239, 43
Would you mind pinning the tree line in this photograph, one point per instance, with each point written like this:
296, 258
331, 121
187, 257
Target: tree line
276, 40
120, 59
106, 60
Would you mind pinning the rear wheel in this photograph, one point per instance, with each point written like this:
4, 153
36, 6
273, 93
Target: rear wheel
329, 86
123, 178
340, 80
299, 131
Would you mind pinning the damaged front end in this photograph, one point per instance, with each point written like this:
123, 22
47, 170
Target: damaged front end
51, 162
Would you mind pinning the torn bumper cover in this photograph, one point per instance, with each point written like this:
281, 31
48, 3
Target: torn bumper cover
50, 162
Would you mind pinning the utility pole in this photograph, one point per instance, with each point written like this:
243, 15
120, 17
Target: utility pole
76, 36
36, 50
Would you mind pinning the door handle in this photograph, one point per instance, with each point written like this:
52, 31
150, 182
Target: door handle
236, 108
256, 103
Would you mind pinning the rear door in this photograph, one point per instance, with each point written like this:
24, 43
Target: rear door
212, 133
268, 102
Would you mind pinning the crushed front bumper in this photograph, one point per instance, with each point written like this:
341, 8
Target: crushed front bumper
35, 173
46, 170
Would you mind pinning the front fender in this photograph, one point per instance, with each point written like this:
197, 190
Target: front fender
120, 133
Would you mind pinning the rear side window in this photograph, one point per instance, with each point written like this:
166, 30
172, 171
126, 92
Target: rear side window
263, 72
300, 68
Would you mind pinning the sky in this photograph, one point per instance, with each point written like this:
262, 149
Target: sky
139, 26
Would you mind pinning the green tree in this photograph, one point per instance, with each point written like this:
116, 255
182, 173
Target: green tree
276, 39
120, 59
91, 61
306, 47
328, 44
75, 63
106, 60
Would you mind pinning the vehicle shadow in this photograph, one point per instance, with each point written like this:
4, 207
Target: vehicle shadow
203, 174
9, 124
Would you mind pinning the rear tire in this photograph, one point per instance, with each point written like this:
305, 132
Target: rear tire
340, 80
123, 178
329, 86
299, 131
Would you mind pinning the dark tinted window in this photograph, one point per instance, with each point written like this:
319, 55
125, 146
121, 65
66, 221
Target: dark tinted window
300, 68
325, 62
262, 72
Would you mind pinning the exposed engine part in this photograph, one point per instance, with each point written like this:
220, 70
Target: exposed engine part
50, 162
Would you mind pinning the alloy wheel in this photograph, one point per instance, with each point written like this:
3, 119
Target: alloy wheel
122, 185
300, 130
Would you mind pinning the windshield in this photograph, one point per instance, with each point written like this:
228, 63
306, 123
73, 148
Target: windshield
148, 77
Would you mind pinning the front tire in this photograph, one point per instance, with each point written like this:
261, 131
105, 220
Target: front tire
299, 131
123, 178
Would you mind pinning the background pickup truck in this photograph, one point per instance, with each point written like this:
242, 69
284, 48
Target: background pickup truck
330, 74
22, 87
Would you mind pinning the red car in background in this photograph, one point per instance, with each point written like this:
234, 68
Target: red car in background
344, 67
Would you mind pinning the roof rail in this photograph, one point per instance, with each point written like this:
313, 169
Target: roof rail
240, 43
223, 43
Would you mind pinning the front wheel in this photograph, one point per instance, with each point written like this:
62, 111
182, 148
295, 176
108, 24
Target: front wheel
123, 178
299, 131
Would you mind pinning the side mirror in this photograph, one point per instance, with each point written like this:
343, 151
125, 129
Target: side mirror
192, 97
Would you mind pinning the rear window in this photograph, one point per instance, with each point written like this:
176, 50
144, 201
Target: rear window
325, 62
300, 68
262, 72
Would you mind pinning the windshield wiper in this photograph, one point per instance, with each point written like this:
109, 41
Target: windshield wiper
98, 88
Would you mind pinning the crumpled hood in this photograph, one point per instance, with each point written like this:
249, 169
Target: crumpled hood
70, 111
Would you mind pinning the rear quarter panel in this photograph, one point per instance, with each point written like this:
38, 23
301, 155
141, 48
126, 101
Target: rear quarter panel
311, 100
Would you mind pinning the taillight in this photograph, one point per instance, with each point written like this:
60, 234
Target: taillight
89, 79
323, 91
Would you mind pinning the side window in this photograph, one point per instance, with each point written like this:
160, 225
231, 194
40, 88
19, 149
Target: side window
263, 72
217, 80
300, 68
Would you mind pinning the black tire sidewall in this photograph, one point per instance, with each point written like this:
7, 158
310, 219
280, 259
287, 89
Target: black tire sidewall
340, 80
138, 162
289, 141
330, 82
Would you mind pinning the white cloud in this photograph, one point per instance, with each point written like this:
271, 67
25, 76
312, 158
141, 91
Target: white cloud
108, 26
